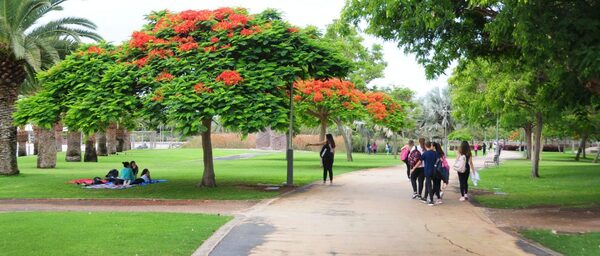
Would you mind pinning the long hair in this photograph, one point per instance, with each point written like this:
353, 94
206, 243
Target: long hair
126, 164
422, 143
411, 143
132, 163
145, 171
438, 149
330, 140
465, 149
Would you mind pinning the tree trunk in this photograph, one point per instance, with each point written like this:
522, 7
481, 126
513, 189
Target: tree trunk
58, 128
120, 140
347, 139
111, 138
9, 88
90, 149
323, 121
22, 138
73, 147
537, 137
126, 140
528, 130
208, 177
36, 134
395, 146
47, 151
581, 149
102, 147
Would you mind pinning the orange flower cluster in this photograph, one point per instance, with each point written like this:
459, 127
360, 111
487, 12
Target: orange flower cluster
293, 30
200, 88
317, 89
381, 105
164, 76
95, 50
158, 96
140, 39
229, 77
251, 31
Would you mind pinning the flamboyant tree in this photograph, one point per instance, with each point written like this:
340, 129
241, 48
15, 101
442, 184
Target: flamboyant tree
195, 65
386, 111
331, 100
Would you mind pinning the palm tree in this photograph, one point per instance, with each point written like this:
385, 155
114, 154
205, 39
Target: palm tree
436, 119
24, 47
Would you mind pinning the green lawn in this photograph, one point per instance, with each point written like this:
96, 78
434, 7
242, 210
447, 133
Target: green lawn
563, 182
105, 233
568, 244
183, 168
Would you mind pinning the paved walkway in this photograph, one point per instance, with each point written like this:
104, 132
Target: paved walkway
365, 213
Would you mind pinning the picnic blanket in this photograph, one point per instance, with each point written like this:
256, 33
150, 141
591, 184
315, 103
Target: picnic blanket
110, 185
84, 181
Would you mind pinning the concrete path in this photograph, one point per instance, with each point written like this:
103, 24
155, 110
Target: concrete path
365, 213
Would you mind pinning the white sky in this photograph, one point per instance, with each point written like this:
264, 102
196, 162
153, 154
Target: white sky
117, 19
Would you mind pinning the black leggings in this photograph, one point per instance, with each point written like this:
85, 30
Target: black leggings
437, 186
429, 188
327, 168
463, 178
419, 174
407, 168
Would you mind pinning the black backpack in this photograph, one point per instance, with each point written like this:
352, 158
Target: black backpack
438, 169
112, 174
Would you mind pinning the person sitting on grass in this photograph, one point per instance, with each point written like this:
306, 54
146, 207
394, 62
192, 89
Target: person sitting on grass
126, 174
145, 178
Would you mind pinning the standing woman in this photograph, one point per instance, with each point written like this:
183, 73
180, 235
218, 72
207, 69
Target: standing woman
463, 178
327, 152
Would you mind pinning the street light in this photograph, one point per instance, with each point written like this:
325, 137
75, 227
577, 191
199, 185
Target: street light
290, 149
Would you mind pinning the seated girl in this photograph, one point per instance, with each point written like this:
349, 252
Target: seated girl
145, 178
126, 174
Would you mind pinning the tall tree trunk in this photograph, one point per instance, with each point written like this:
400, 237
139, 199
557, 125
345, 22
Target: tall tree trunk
323, 131
111, 138
47, 151
208, 177
102, 147
36, 135
90, 149
73, 147
12, 75
126, 140
528, 131
58, 128
22, 138
581, 149
537, 137
120, 140
347, 139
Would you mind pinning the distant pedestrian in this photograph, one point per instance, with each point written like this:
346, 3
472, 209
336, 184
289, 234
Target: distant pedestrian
476, 147
369, 147
441, 176
464, 157
404, 156
483, 148
374, 147
327, 154
388, 148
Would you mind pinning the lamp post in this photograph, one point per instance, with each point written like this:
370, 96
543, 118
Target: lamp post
290, 149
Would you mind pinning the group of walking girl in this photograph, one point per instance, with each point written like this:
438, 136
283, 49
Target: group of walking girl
427, 167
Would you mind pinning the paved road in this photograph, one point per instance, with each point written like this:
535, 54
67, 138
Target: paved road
366, 213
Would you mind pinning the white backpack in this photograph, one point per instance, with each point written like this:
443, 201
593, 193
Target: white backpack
459, 164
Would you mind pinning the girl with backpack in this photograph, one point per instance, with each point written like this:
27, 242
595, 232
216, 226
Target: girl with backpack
441, 173
404, 156
417, 172
463, 165
326, 153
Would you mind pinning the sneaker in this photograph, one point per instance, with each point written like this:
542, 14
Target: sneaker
415, 196
430, 203
441, 194
466, 196
439, 201
462, 198
423, 200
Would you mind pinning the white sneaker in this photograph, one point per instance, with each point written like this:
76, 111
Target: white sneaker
441, 194
439, 201
466, 196
462, 198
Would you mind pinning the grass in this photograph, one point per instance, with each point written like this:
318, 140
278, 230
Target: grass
563, 182
568, 244
105, 233
236, 179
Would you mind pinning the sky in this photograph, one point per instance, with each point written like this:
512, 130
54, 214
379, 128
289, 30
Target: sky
117, 19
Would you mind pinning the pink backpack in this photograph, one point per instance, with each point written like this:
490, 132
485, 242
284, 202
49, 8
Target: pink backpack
404, 154
445, 163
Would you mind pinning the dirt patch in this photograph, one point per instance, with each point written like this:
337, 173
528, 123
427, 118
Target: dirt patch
128, 205
552, 218
267, 188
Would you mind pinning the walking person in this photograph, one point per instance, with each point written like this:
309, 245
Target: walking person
327, 153
483, 148
369, 147
404, 156
476, 147
417, 171
388, 148
466, 159
374, 148
429, 159
442, 176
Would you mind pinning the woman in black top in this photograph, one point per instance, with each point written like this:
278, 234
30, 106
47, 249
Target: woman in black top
327, 152
463, 178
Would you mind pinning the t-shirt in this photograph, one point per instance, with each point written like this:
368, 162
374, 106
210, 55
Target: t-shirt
429, 158
127, 174
146, 178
